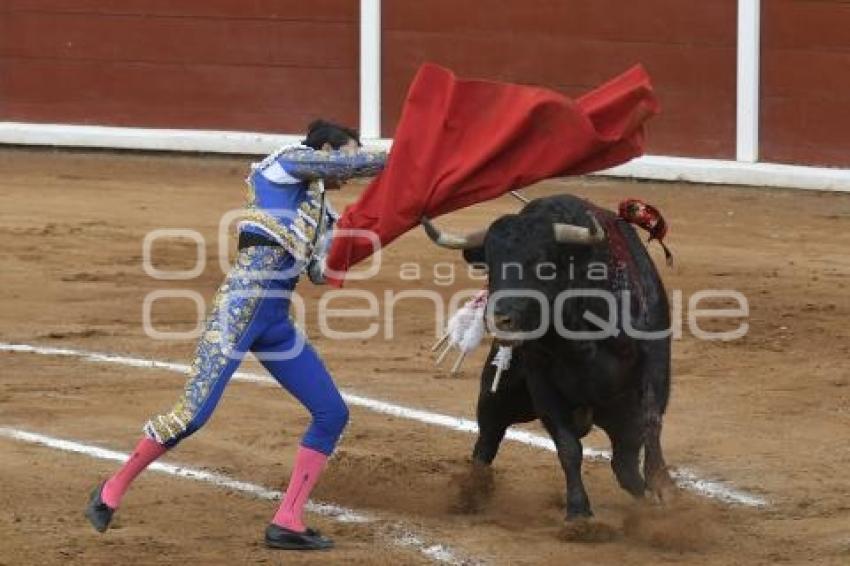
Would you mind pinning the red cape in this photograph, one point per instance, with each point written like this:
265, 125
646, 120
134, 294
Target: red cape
460, 142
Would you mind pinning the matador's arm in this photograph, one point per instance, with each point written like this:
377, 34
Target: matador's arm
308, 164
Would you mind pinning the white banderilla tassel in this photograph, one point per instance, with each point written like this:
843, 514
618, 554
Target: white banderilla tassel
443, 354
439, 343
465, 331
502, 361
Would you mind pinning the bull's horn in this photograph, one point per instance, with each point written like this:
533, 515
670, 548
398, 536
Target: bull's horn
452, 241
572, 234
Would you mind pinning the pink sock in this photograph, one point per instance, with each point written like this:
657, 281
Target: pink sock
309, 464
146, 451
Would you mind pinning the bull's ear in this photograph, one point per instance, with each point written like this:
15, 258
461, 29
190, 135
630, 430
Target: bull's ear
475, 256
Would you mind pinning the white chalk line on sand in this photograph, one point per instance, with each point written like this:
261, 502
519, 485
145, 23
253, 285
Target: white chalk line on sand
401, 535
686, 478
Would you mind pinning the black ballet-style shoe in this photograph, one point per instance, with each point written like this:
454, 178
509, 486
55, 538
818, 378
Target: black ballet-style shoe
286, 539
99, 513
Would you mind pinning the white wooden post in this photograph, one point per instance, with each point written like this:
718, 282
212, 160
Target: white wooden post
370, 69
749, 44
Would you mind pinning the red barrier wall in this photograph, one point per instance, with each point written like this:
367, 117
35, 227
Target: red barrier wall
688, 46
260, 65
272, 65
805, 82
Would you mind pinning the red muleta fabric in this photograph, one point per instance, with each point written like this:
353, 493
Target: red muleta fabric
460, 142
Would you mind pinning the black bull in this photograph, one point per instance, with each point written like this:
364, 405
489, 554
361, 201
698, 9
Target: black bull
619, 383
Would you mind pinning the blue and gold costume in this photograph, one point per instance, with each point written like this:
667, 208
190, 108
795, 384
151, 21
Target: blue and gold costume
287, 206
286, 193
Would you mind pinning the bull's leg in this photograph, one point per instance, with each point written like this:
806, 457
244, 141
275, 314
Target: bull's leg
496, 412
656, 392
494, 418
623, 423
511, 403
556, 416
570, 455
488, 442
477, 485
625, 461
654, 467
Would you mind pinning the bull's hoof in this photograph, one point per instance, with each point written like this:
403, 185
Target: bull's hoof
474, 489
578, 508
662, 489
587, 530
636, 490
578, 514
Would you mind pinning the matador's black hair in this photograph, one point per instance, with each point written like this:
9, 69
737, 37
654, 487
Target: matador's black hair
320, 132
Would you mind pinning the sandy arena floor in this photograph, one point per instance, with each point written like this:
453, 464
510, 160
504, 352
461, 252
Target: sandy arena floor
769, 413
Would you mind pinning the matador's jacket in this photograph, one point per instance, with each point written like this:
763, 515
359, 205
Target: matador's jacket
286, 196
288, 210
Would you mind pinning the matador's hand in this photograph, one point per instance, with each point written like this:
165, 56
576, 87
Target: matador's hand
316, 271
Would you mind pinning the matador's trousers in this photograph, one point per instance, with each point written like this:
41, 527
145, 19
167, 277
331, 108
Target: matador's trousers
251, 312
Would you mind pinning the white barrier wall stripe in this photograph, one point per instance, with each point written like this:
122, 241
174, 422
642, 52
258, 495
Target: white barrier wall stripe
723, 172
657, 167
150, 139
685, 478
402, 536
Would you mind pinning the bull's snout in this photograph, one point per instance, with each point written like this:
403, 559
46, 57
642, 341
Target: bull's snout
503, 322
515, 314
504, 318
